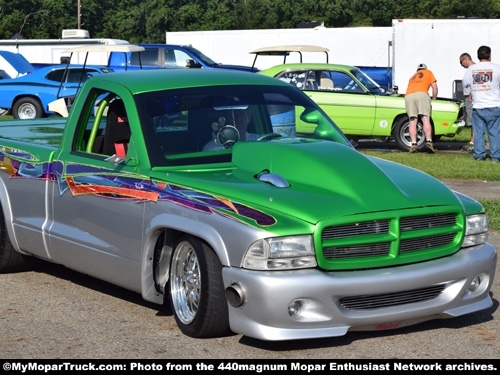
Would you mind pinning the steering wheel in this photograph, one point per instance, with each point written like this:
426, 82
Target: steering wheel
227, 136
268, 136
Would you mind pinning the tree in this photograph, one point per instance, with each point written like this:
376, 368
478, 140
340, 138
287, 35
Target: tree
149, 20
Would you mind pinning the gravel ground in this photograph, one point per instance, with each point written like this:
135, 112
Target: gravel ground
53, 312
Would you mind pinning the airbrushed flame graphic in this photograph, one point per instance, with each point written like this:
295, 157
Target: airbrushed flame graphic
81, 179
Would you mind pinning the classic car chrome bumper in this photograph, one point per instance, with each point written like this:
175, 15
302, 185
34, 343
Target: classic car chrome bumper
311, 303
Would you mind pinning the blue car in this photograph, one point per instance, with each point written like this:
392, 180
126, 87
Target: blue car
28, 96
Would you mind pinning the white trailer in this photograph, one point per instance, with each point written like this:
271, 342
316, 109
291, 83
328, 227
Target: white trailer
438, 44
360, 46
50, 51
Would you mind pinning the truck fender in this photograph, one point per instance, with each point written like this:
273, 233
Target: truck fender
184, 225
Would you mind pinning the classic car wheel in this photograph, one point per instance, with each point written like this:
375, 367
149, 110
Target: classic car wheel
197, 291
401, 134
27, 108
10, 260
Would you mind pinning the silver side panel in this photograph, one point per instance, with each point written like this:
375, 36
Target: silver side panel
26, 200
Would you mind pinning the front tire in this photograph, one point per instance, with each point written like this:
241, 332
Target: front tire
197, 290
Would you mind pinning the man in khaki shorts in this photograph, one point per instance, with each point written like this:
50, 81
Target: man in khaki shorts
418, 103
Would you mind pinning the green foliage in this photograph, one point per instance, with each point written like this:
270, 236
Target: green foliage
458, 165
453, 165
492, 208
149, 20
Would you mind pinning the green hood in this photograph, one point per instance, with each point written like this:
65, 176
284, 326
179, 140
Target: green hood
325, 179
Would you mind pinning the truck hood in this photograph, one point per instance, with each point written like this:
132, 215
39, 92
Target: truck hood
314, 180
14, 64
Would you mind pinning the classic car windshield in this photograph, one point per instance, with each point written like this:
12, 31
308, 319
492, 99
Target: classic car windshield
179, 125
369, 83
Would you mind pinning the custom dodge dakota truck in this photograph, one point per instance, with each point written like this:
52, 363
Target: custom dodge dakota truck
280, 231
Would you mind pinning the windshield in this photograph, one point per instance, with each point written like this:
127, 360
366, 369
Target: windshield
179, 125
207, 60
369, 83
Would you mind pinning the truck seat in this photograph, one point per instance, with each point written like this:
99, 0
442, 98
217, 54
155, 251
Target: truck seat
117, 135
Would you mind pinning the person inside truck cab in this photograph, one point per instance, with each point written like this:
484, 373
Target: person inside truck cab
117, 134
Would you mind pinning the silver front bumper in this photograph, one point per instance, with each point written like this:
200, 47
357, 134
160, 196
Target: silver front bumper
264, 313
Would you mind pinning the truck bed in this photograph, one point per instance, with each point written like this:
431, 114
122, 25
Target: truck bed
45, 131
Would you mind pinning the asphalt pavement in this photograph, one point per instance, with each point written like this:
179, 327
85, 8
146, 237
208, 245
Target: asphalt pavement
475, 189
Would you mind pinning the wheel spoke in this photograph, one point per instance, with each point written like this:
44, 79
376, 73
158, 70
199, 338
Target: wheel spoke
186, 287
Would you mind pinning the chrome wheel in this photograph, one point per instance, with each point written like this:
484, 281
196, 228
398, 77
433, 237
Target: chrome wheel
197, 290
185, 283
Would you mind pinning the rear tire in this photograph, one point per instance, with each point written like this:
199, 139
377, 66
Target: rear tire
10, 259
197, 290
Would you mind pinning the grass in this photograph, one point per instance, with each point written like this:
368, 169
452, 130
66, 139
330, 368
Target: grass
450, 165
492, 208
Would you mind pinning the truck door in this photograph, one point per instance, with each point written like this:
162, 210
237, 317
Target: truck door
96, 222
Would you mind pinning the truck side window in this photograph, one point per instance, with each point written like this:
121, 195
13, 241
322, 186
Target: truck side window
175, 57
103, 126
149, 57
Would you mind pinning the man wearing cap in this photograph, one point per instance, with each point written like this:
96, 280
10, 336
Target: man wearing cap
418, 103
482, 80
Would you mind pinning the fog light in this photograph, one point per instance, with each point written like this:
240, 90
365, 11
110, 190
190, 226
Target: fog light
474, 285
294, 308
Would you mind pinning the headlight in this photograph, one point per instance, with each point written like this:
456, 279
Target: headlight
280, 253
476, 230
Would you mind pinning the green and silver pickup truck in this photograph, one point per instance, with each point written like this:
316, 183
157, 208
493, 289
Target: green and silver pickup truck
234, 198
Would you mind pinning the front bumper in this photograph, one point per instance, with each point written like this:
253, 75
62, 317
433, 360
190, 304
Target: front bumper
264, 313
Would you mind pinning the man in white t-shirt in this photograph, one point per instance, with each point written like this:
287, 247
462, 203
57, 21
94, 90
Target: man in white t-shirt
482, 80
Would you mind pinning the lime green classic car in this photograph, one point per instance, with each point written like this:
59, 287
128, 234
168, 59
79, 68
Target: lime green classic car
362, 108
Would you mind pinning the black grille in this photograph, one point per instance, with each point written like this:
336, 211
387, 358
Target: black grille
423, 243
424, 222
339, 252
378, 301
356, 229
